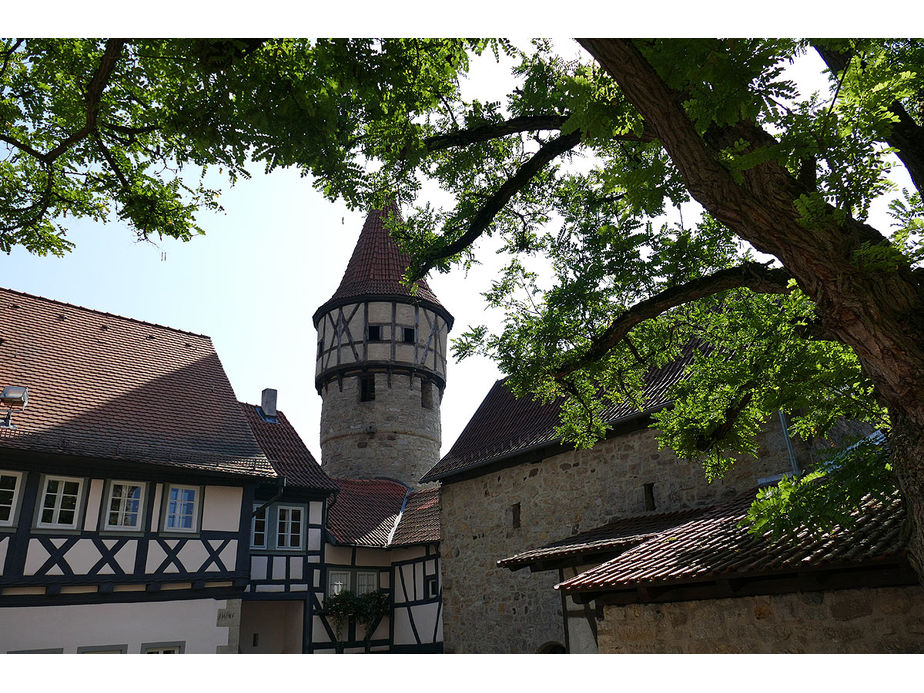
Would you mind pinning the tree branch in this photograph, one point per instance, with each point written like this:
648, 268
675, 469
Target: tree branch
496, 202
751, 275
483, 133
906, 136
94, 92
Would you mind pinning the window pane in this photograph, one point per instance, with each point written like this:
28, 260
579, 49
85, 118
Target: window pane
7, 482
366, 582
5, 512
66, 517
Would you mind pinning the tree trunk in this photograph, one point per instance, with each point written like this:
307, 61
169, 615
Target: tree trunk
877, 310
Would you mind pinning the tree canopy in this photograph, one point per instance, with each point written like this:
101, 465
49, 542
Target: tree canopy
780, 292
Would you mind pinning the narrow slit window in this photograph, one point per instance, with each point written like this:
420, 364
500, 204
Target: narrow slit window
426, 394
375, 333
409, 336
367, 388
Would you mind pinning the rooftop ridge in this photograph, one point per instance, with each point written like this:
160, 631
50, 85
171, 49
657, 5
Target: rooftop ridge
376, 268
106, 313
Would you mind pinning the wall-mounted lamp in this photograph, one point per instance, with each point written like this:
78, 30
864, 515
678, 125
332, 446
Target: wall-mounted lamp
13, 396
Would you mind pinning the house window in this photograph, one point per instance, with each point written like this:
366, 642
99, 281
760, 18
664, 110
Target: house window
367, 581
367, 388
60, 505
356, 581
338, 581
258, 530
409, 336
289, 527
279, 527
123, 507
374, 333
163, 648
182, 509
10, 483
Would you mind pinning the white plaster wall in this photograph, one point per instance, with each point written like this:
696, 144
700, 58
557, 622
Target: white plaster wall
277, 625
222, 509
191, 621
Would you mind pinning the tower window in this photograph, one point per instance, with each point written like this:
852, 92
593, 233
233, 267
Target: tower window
426, 394
409, 337
367, 388
374, 333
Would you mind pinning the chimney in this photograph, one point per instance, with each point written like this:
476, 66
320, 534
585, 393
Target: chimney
268, 402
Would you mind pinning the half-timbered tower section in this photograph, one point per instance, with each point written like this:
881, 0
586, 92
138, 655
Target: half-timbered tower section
381, 364
382, 537
509, 485
127, 479
286, 523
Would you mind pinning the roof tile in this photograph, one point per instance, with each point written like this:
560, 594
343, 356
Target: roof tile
713, 545
376, 267
504, 426
285, 450
110, 387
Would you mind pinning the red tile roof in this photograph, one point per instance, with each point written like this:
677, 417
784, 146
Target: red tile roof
365, 511
420, 521
613, 537
110, 387
285, 450
383, 513
377, 267
504, 426
713, 546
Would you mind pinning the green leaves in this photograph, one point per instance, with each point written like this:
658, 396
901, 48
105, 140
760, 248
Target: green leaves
825, 498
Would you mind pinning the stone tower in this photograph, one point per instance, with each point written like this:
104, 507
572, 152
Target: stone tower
381, 365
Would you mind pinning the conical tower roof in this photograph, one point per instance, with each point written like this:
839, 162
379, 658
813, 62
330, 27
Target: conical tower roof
376, 270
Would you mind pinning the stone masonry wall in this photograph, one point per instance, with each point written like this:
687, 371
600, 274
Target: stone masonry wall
490, 609
405, 443
882, 620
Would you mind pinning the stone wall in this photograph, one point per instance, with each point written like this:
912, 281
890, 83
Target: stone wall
490, 609
882, 620
393, 436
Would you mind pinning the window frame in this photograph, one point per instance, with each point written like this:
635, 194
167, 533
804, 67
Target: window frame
152, 647
197, 508
381, 333
107, 507
17, 496
253, 526
301, 527
353, 582
78, 506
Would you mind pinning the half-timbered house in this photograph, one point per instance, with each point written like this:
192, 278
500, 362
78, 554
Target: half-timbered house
127, 477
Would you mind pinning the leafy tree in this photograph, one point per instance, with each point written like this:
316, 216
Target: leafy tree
782, 296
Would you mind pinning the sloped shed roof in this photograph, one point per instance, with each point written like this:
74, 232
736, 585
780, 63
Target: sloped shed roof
713, 546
